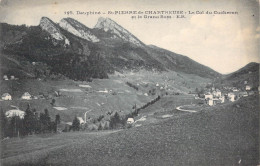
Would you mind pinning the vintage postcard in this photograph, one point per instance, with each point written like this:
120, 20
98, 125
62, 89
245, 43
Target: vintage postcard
129, 82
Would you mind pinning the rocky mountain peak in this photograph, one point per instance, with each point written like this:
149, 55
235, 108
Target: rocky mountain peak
107, 24
78, 29
49, 26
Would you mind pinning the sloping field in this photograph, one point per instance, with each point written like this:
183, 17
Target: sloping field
224, 135
91, 95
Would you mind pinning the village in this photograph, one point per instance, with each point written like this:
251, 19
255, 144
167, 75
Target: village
214, 96
210, 95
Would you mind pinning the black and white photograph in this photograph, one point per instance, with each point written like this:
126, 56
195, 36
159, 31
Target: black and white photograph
129, 83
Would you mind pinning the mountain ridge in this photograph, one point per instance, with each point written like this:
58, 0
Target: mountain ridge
78, 29
107, 24
74, 43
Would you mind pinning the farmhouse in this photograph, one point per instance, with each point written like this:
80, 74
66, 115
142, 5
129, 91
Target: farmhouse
26, 96
81, 121
5, 77
235, 89
232, 97
248, 87
208, 96
15, 112
6, 96
12, 78
130, 121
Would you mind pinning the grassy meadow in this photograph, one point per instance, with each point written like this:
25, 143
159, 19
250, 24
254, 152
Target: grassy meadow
220, 135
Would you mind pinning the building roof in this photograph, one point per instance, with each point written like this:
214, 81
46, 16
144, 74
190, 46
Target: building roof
26, 94
130, 120
15, 112
81, 120
6, 94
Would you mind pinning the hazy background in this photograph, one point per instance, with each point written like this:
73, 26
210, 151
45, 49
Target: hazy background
223, 42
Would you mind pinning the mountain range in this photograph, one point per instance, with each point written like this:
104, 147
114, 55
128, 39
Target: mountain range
71, 49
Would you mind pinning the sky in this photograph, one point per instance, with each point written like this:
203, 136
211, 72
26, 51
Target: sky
223, 42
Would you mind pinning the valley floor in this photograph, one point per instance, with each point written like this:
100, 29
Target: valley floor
220, 135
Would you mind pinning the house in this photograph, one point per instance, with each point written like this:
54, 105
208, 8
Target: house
130, 121
235, 89
230, 94
248, 87
6, 96
217, 93
26, 96
213, 101
12, 78
232, 97
81, 121
15, 112
222, 98
210, 102
157, 85
208, 96
5, 77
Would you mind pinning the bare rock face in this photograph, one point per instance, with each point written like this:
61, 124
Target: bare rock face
49, 26
78, 29
107, 24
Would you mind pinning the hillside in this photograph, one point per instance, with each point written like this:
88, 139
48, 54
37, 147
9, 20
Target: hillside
180, 63
72, 49
77, 99
221, 135
247, 75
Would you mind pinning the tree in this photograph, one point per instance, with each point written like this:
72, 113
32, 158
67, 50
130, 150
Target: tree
4, 123
29, 121
197, 90
57, 121
99, 126
53, 102
75, 124
16, 127
45, 121
114, 120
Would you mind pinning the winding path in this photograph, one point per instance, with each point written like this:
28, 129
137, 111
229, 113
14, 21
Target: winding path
180, 109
